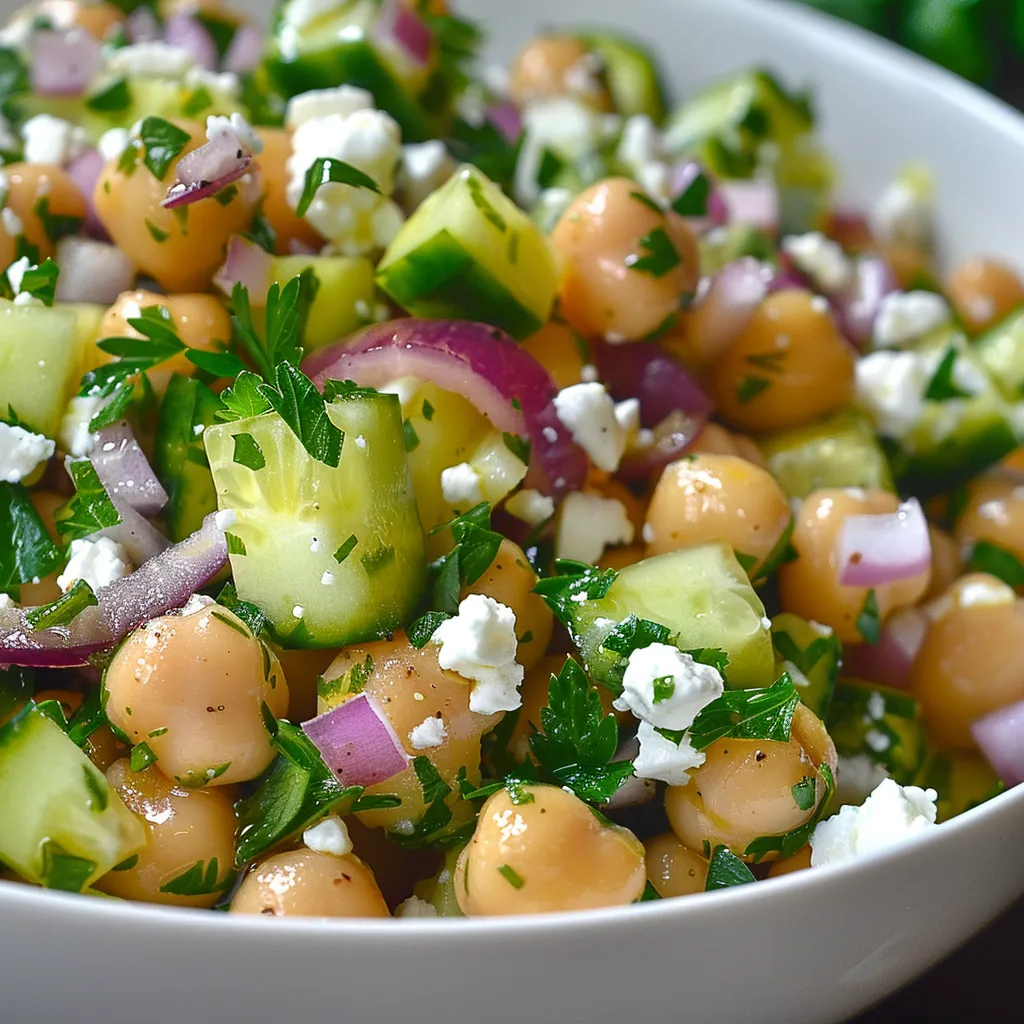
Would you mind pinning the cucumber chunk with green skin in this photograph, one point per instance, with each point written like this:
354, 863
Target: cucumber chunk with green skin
879, 723
840, 451
632, 76
179, 458
468, 252
704, 598
1001, 351
291, 548
38, 363
61, 825
812, 656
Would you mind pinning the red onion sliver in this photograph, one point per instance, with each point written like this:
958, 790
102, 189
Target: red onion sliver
143, 26
85, 170
125, 471
92, 271
357, 742
856, 308
245, 50
673, 438
160, 585
64, 63
876, 549
138, 536
206, 170
184, 31
402, 26
1000, 735
730, 302
888, 663
754, 202
479, 362
506, 121
247, 263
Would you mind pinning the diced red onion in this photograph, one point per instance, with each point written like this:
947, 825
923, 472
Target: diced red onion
1000, 735
206, 170
137, 535
849, 227
64, 63
402, 26
85, 170
245, 50
357, 742
142, 25
889, 662
730, 302
247, 263
125, 472
158, 586
479, 362
672, 439
186, 32
506, 120
92, 271
876, 549
857, 307
754, 201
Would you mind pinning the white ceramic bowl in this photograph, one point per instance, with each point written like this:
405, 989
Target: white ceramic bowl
813, 947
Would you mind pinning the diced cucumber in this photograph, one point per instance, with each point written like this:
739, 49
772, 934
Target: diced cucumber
811, 654
632, 77
16, 689
1001, 351
962, 780
345, 283
840, 451
88, 317
701, 594
293, 552
879, 723
38, 363
179, 457
61, 824
469, 252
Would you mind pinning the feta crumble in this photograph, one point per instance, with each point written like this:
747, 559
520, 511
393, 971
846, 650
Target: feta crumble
6, 601
890, 815
858, 776
426, 166
642, 152
588, 524
460, 486
196, 603
299, 13
225, 518
415, 907
902, 213
328, 836
12, 223
531, 507
904, 317
99, 562
153, 59
112, 143
663, 759
480, 645
21, 452
821, 259
74, 434
344, 100
890, 387
430, 733
52, 140
237, 126
588, 412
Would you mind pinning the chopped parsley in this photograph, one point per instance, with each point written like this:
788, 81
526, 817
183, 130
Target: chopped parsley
142, 757
748, 388
346, 549
792, 842
348, 684
163, 144
62, 870
511, 876
199, 880
248, 452
645, 200
804, 792
760, 714
941, 387
693, 200
38, 281
660, 256
518, 446
429, 829
56, 225
115, 97
996, 561
302, 407
573, 584
65, 609
420, 631
868, 623
91, 509
476, 547
664, 689
157, 234
726, 870
409, 435
236, 546
27, 552
634, 634
325, 169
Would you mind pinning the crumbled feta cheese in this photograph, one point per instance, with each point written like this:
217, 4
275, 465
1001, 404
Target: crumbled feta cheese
112, 143
589, 374
6, 602
890, 387
667, 688
153, 59
876, 706
298, 14
858, 776
588, 412
328, 836
99, 562
628, 415
426, 166
21, 452
904, 317
52, 140
820, 258
642, 152
480, 645
889, 816
225, 518
196, 603
415, 907
327, 578
664, 759
224, 84
431, 732
460, 486
343, 101
74, 434
298, 611
237, 126
530, 506
902, 214
588, 524
11, 222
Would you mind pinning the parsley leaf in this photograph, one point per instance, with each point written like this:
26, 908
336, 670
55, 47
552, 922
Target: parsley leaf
518, 446
748, 388
325, 169
220, 364
142, 757
158, 343
574, 583
941, 387
64, 871
89, 717
661, 255
634, 634
476, 547
199, 881
252, 615
578, 740
762, 714
792, 842
248, 452
243, 399
91, 509
511, 876
26, 551
114, 97
996, 561
286, 312
726, 870
55, 225
163, 142
302, 407
438, 814
868, 623
420, 631
41, 282
346, 549
65, 609
348, 684
335, 389
693, 200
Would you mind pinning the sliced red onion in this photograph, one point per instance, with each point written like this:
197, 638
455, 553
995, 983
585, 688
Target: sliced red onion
730, 302
206, 170
158, 586
64, 63
138, 536
670, 440
889, 662
189, 34
876, 549
479, 362
856, 308
92, 271
506, 120
85, 170
1000, 735
247, 263
357, 742
754, 201
142, 25
400, 25
245, 50
125, 471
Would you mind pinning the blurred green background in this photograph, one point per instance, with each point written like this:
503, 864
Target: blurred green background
982, 40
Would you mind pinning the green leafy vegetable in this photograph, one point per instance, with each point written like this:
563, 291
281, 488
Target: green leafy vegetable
574, 583
248, 612
518, 446
420, 631
476, 547
142, 757
40, 282
113, 98
346, 549
869, 624
163, 143
325, 169
248, 452
996, 561
693, 200
760, 714
55, 225
726, 870
65, 609
302, 407
634, 634
64, 871
805, 792
941, 387
748, 388
26, 551
661, 255
511, 876
243, 399
91, 509
199, 880
438, 815
792, 842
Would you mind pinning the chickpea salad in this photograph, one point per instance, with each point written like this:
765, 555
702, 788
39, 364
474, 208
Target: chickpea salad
430, 488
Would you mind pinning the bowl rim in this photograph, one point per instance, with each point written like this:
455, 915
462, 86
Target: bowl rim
837, 40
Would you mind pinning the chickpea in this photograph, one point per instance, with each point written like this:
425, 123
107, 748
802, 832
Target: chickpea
546, 855
983, 291
994, 513
946, 562
716, 440
619, 558
31, 187
788, 367
97, 19
510, 580
102, 747
302, 883
673, 869
910, 263
183, 827
182, 248
411, 688
972, 659
600, 237
193, 687
553, 66
704, 498
809, 586
556, 348
744, 790
287, 225
800, 861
